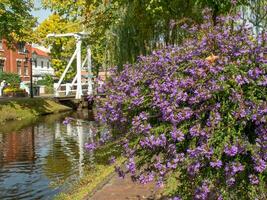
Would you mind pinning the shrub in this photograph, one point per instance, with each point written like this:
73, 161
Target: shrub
47, 81
12, 79
196, 113
14, 92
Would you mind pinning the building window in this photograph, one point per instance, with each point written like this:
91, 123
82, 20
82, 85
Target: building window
19, 67
35, 63
48, 65
2, 65
21, 47
42, 64
26, 69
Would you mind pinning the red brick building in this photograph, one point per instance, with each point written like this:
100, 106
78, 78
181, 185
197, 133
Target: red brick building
13, 60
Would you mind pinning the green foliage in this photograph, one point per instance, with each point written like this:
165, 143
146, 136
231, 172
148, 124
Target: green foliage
61, 48
127, 29
16, 21
12, 79
47, 81
122, 30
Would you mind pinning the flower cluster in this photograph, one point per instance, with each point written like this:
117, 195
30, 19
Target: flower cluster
197, 111
67, 120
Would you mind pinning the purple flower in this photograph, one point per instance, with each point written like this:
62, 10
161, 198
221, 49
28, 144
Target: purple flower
120, 172
112, 160
216, 164
143, 116
260, 165
237, 167
230, 181
196, 131
220, 197
175, 198
194, 168
131, 166
202, 192
144, 179
67, 120
184, 26
160, 183
177, 135
233, 168
253, 179
231, 151
90, 98
90, 146
255, 73
241, 80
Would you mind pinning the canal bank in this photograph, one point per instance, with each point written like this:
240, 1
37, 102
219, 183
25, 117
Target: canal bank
27, 109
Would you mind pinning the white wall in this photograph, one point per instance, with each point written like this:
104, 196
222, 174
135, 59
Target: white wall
38, 70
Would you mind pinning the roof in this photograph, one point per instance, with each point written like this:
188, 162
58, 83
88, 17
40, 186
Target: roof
40, 52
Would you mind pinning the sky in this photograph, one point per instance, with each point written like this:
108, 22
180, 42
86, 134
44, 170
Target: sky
41, 14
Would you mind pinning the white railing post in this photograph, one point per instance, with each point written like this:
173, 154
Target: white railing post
56, 93
68, 89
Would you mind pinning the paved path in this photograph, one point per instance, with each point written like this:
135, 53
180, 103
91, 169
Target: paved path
125, 189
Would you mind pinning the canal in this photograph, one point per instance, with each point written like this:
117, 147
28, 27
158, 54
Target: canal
45, 158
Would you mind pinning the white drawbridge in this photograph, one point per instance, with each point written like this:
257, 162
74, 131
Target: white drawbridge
76, 86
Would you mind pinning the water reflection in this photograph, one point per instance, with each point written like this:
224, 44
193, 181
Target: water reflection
41, 160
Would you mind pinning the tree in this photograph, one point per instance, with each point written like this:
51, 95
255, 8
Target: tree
61, 48
121, 30
16, 22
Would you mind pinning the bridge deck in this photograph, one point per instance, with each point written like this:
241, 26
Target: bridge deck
69, 97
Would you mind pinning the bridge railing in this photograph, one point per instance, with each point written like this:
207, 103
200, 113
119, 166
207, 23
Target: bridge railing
68, 89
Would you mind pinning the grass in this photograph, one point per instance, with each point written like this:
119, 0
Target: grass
28, 109
95, 177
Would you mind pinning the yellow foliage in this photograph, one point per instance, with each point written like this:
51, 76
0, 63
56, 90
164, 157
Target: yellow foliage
212, 58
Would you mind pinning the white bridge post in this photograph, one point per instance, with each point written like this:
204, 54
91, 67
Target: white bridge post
89, 78
79, 68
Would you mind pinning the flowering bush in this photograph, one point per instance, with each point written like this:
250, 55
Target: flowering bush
196, 113
14, 92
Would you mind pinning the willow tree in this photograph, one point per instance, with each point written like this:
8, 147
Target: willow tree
121, 30
144, 25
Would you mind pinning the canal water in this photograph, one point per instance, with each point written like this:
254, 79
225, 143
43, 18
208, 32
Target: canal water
39, 161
